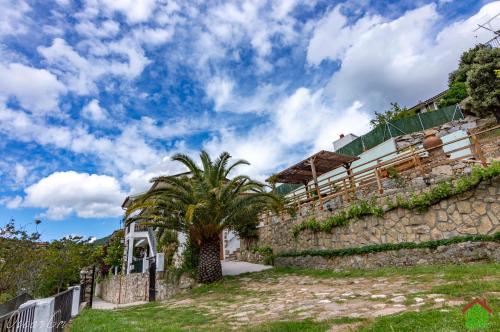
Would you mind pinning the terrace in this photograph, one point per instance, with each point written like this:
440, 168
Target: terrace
328, 176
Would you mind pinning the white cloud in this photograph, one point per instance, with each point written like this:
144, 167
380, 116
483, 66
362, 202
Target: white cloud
392, 60
222, 91
107, 29
332, 36
81, 73
123, 153
13, 203
300, 123
153, 36
20, 173
135, 11
37, 90
86, 195
13, 17
93, 111
259, 24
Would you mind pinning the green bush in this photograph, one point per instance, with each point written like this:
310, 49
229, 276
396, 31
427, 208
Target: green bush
390, 246
266, 253
419, 202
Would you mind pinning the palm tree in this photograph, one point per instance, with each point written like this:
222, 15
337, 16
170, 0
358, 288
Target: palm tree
203, 204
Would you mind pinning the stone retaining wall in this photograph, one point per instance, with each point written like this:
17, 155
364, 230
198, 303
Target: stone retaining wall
134, 287
459, 253
472, 213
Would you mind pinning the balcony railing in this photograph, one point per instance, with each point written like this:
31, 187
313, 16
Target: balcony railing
369, 175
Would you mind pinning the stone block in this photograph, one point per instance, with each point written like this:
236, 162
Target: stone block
442, 215
479, 208
485, 226
446, 226
430, 218
467, 230
463, 207
422, 229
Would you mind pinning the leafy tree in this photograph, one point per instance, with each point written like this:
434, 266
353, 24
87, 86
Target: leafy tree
394, 113
113, 251
19, 261
455, 94
62, 261
477, 70
202, 205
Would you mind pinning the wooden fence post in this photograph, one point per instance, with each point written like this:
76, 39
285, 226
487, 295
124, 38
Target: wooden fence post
476, 150
377, 175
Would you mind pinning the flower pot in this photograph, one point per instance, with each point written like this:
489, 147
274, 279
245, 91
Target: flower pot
433, 144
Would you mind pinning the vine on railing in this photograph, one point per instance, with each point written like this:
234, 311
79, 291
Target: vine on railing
419, 202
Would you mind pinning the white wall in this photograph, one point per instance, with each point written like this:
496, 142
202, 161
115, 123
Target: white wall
453, 136
233, 243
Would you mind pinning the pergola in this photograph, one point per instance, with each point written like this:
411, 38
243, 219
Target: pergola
309, 169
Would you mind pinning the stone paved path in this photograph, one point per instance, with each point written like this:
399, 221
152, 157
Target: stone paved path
233, 268
300, 297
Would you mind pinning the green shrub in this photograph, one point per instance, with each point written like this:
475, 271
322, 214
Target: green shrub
390, 246
266, 253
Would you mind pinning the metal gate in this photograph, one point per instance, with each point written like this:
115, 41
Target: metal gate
152, 279
18, 320
63, 302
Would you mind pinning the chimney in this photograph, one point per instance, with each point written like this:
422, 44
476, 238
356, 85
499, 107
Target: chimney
341, 135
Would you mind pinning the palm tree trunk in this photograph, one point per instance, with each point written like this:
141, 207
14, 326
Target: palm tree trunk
209, 268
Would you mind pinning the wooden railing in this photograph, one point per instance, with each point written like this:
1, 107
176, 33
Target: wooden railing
371, 173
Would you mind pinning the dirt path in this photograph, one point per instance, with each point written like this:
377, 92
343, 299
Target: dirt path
299, 297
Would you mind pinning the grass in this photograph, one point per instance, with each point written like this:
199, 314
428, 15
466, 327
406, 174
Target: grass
431, 320
459, 281
302, 325
446, 272
149, 317
467, 289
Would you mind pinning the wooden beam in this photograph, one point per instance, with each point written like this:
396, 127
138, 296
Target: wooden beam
315, 179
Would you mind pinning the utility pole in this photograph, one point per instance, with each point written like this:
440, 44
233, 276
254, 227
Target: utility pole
495, 41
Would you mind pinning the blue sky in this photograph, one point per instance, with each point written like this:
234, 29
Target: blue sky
97, 95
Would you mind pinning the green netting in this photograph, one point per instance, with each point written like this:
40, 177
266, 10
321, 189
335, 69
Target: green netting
375, 137
437, 118
286, 188
353, 148
418, 122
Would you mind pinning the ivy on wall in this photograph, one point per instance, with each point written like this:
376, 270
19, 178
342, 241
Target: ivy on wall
390, 246
419, 202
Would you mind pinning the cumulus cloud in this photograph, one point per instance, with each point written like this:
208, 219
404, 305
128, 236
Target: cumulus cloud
135, 11
37, 90
122, 153
299, 123
86, 195
20, 173
94, 112
12, 17
107, 29
411, 60
80, 73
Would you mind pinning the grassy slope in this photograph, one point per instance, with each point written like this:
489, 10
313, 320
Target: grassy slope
462, 278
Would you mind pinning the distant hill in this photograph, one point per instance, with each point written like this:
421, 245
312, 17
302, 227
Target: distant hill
102, 241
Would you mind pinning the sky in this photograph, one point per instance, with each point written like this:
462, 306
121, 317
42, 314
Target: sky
96, 96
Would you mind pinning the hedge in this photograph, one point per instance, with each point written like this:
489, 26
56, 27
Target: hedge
390, 246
